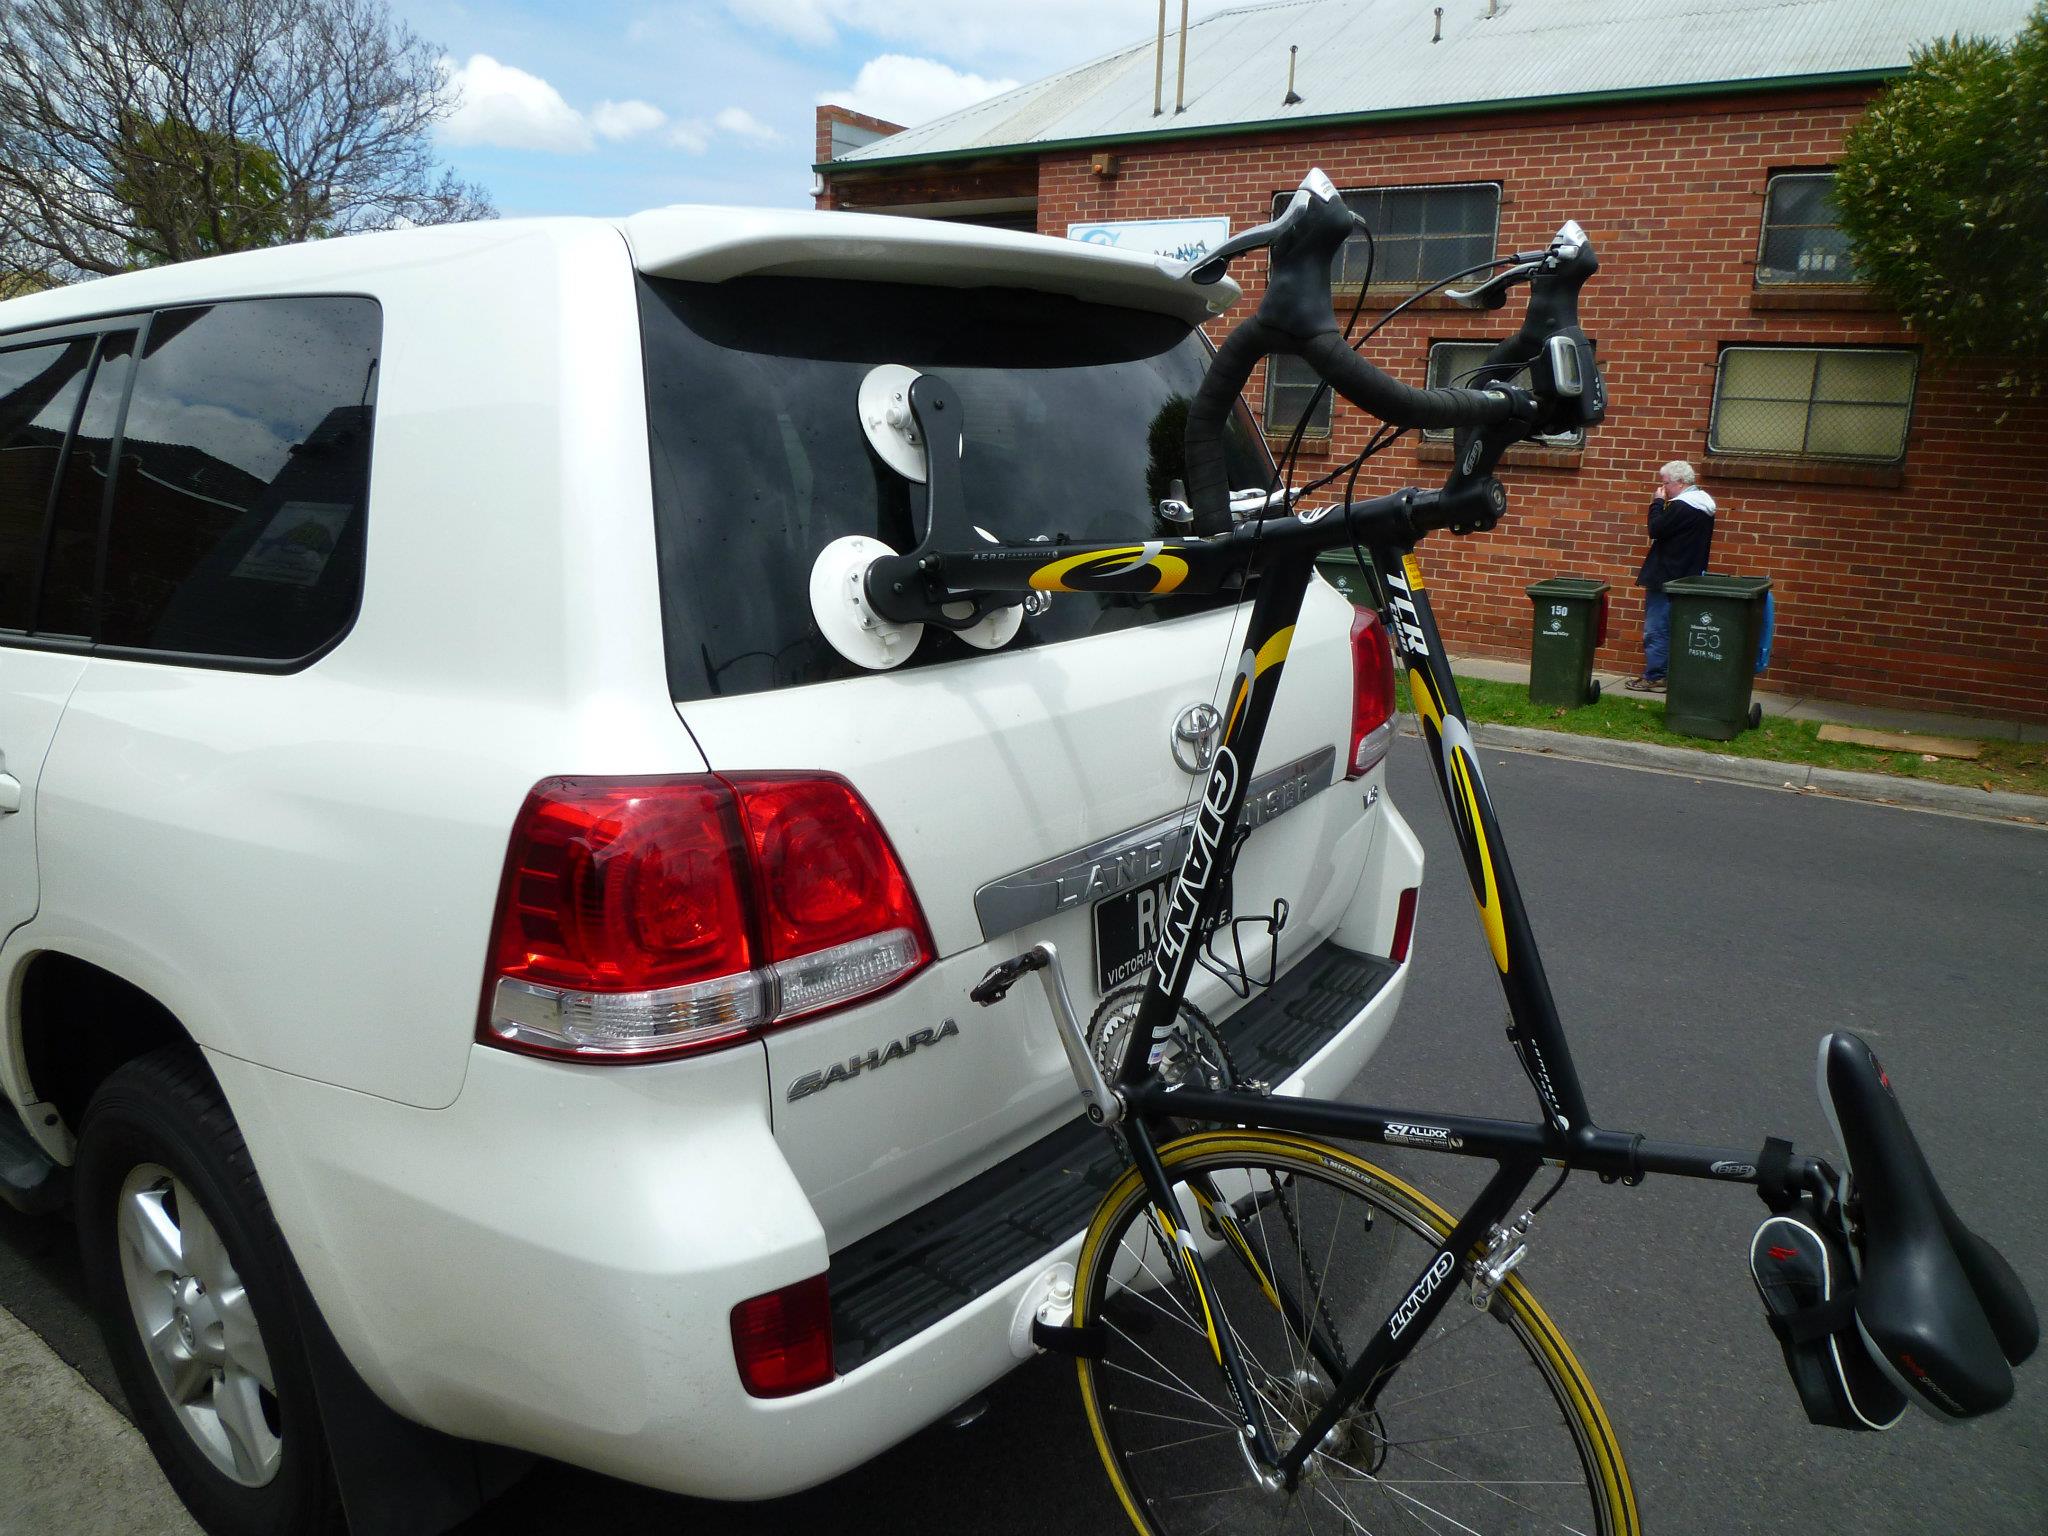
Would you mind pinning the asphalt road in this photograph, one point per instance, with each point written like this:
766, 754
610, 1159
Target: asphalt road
1700, 938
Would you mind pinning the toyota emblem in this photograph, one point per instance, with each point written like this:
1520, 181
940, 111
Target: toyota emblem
1196, 736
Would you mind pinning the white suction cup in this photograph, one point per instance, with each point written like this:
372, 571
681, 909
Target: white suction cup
885, 417
995, 630
839, 602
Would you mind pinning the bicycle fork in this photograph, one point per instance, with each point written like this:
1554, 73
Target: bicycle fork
1357, 1382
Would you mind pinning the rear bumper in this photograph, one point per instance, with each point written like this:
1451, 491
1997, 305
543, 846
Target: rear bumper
551, 1262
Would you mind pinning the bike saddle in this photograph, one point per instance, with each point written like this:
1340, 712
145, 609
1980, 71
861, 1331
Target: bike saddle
1941, 1312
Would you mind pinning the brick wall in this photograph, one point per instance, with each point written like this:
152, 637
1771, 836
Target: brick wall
1925, 585
822, 146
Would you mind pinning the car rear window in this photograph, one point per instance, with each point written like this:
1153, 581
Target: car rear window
1073, 431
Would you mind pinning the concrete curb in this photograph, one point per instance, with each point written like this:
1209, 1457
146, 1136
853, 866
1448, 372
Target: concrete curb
70, 1465
1954, 799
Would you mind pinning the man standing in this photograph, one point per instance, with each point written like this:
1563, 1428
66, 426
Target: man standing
1681, 532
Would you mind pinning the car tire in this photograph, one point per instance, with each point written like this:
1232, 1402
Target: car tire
191, 1283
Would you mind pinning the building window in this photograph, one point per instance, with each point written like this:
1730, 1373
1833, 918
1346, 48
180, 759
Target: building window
1454, 362
1290, 385
1420, 234
1814, 402
1803, 240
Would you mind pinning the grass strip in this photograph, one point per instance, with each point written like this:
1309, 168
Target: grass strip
2005, 765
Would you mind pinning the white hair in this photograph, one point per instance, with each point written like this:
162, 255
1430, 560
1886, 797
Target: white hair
1680, 471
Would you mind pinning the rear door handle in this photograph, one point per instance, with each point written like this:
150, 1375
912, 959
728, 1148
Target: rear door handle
10, 794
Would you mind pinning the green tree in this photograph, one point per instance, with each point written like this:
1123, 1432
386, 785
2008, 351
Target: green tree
141, 132
1943, 190
200, 193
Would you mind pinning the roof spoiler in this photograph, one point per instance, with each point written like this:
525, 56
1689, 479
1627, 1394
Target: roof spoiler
713, 244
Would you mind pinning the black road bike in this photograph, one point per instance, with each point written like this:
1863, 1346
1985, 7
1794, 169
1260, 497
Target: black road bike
1263, 1321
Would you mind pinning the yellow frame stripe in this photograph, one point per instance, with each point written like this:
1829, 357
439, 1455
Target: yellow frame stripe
1274, 651
1051, 577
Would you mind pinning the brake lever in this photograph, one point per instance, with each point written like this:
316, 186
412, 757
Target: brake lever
1493, 293
1210, 268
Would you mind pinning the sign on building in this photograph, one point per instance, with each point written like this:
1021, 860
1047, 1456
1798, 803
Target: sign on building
1181, 239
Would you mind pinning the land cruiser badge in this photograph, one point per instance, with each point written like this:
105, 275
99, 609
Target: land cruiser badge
838, 1072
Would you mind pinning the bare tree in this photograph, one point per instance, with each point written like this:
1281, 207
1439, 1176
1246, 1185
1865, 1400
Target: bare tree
140, 132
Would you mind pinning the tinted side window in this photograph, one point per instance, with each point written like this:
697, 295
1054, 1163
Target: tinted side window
70, 576
238, 518
39, 388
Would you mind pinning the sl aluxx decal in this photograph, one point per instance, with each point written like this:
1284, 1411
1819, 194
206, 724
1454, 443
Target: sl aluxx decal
1079, 573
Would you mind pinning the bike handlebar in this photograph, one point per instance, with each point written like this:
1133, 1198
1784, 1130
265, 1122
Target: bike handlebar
1297, 317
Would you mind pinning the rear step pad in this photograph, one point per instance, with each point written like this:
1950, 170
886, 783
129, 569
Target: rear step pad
29, 1180
898, 1281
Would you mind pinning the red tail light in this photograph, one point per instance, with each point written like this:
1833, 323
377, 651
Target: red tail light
1404, 926
782, 1342
651, 918
1372, 693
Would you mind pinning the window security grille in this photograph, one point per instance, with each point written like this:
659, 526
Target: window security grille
1421, 234
1814, 402
1802, 238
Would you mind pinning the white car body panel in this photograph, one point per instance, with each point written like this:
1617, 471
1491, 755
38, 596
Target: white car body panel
302, 867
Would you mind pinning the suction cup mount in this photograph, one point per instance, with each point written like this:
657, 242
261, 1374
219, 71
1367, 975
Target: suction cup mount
839, 603
885, 417
871, 603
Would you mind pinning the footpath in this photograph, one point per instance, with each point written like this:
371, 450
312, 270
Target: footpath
1882, 788
70, 1464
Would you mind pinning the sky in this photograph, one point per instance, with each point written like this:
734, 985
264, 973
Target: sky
611, 106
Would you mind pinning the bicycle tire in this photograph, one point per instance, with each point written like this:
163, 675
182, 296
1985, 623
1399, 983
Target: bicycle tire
1349, 1239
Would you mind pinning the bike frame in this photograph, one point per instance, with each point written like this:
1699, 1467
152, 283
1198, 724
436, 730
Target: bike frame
1279, 550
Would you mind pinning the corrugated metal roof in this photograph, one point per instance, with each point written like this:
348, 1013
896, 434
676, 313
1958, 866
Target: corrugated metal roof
1360, 57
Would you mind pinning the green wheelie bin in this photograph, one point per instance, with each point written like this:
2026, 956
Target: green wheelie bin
1716, 622
1344, 571
1571, 624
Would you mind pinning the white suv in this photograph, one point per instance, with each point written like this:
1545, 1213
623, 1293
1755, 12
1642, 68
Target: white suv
479, 961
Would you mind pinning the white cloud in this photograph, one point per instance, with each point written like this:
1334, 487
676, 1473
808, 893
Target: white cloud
741, 123
905, 90
625, 119
506, 107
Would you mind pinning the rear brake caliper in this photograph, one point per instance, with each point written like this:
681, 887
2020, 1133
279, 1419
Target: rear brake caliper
1506, 1247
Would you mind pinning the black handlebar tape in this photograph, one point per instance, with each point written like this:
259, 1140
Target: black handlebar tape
1207, 472
1399, 404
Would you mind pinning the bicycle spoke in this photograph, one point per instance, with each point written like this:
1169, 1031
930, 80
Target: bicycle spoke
1184, 1389
1485, 1485
1349, 1519
1488, 1439
1174, 1445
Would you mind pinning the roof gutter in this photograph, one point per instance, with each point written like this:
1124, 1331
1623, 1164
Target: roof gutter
1378, 115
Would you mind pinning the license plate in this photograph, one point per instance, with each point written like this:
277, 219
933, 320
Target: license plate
1127, 931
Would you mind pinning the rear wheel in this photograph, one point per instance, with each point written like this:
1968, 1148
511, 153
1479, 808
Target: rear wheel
1488, 1426
191, 1283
